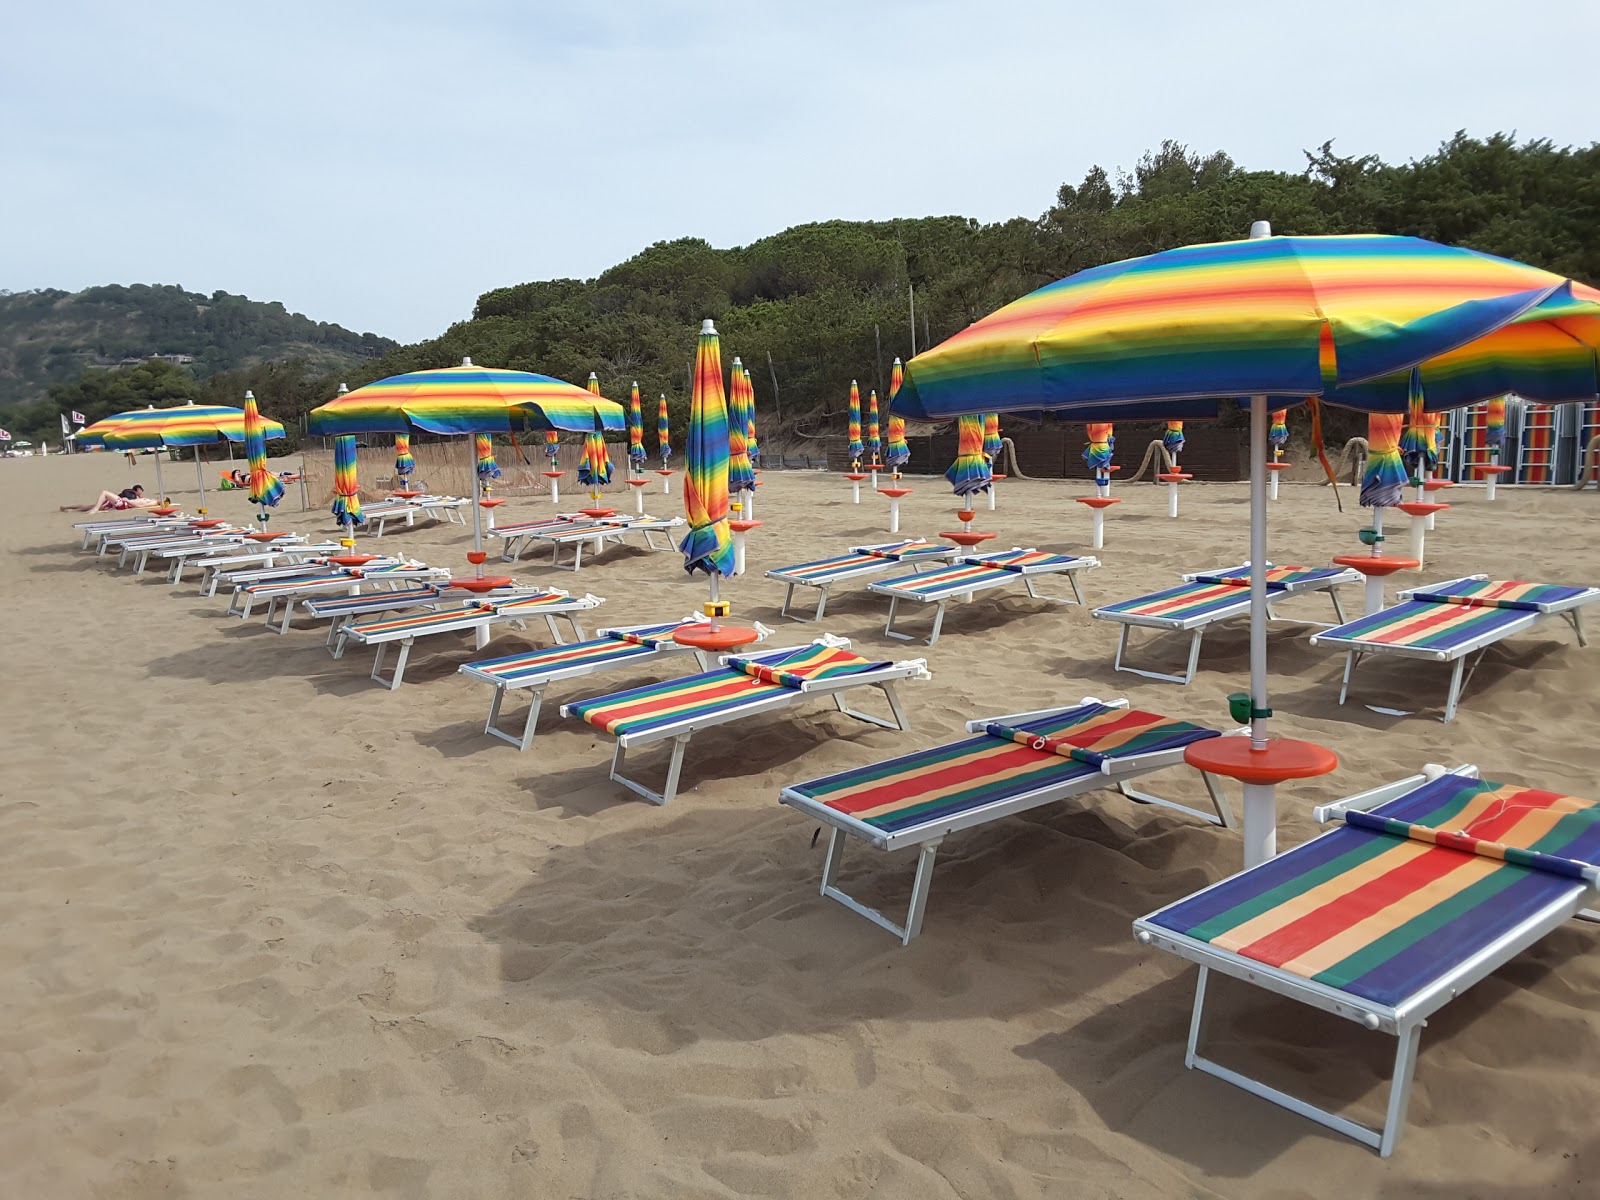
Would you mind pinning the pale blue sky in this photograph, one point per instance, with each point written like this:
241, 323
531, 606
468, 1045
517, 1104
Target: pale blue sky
379, 163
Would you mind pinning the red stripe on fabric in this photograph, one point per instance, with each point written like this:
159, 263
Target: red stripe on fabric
1339, 914
906, 786
696, 695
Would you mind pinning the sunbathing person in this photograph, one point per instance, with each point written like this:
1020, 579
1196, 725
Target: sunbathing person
132, 497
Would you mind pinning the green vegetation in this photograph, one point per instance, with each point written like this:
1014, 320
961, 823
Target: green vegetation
818, 298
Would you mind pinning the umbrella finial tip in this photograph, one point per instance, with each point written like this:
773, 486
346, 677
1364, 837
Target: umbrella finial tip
707, 326
1260, 229
249, 395
466, 360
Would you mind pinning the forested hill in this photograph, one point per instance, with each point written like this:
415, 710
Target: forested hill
50, 336
820, 298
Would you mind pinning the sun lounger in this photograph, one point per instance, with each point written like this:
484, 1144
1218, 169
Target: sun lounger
376, 517
348, 580
1205, 598
514, 536
597, 533
974, 573
860, 563
1427, 886
1450, 622
340, 611
93, 531
743, 686
140, 549
627, 646
1016, 763
215, 568
476, 618
181, 557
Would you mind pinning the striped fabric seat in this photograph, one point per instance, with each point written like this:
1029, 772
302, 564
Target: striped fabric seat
970, 573
1402, 896
1428, 625
292, 583
861, 561
340, 606
676, 700
1005, 762
487, 608
1215, 596
609, 649
1500, 593
830, 568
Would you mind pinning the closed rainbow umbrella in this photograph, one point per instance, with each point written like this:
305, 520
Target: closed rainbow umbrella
265, 490
1417, 444
1278, 432
595, 469
663, 431
899, 453
1494, 432
1097, 454
741, 476
1384, 479
552, 446
635, 429
487, 468
751, 446
1172, 439
992, 443
874, 435
404, 462
708, 546
346, 489
969, 474
856, 449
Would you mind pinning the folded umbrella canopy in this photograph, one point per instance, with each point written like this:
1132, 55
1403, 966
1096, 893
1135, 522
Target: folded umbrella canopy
466, 400
708, 546
487, 468
404, 462
969, 474
1344, 320
346, 488
741, 475
635, 430
992, 443
751, 446
663, 431
856, 448
265, 490
874, 435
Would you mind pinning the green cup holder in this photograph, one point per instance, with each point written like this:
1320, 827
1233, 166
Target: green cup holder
1369, 537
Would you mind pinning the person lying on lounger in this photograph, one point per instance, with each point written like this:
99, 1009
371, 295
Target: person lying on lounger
132, 497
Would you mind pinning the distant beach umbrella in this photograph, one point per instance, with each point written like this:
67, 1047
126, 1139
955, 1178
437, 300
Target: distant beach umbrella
1494, 432
751, 446
708, 546
856, 448
663, 430
1172, 438
404, 463
969, 474
595, 469
189, 424
992, 444
265, 490
635, 429
874, 436
1278, 430
594, 383
487, 468
346, 488
741, 476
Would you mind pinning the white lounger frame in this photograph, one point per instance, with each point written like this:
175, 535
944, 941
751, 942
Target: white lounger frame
1461, 672
1114, 773
610, 529
680, 732
386, 577
1404, 1021
937, 556
437, 508
182, 557
514, 538
1025, 575
140, 549
213, 569
537, 684
477, 623
95, 531
1196, 626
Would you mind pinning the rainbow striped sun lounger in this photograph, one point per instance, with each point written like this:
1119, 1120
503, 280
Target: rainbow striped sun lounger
140, 549
1016, 763
536, 670
1427, 886
348, 580
476, 618
94, 531
218, 568
514, 535
860, 562
596, 534
743, 686
376, 517
978, 573
1208, 597
1450, 621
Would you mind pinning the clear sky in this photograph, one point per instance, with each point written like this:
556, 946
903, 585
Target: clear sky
379, 163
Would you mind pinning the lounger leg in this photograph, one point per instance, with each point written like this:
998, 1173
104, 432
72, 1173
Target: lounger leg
921, 884
1338, 608
1455, 688
529, 726
674, 768
393, 681
938, 620
288, 611
1223, 815
1405, 1068
899, 721
889, 629
1197, 1021
1194, 655
1349, 670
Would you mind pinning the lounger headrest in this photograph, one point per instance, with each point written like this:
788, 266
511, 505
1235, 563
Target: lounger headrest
1277, 577
654, 636
806, 665
1095, 732
1498, 593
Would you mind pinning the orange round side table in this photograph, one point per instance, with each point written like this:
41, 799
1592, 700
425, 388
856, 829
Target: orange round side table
1260, 771
719, 640
1376, 568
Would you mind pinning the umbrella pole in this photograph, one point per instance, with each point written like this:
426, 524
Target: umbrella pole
200, 480
477, 509
1260, 800
161, 491
305, 502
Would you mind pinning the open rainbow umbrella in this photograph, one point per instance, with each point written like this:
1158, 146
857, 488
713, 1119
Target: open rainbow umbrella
184, 425
663, 431
741, 476
635, 430
874, 435
751, 446
1343, 320
465, 400
969, 474
708, 546
856, 448
265, 490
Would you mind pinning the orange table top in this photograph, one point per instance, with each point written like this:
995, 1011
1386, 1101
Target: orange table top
663, 471
491, 502
894, 493
1283, 758
1433, 485
742, 526
1420, 508
1279, 466
1097, 501
554, 474
350, 560
723, 637
638, 483
966, 537
486, 583
1376, 564
406, 495
855, 477
1490, 469
1173, 477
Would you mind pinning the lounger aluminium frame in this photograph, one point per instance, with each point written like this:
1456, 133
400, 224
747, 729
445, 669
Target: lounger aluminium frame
375, 518
1453, 622
917, 800
514, 535
215, 568
349, 580
979, 573
598, 533
859, 563
1206, 597
475, 617
1386, 919
536, 670
679, 713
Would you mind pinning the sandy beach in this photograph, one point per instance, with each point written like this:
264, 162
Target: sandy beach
271, 930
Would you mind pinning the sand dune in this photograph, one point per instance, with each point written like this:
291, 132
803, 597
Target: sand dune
270, 930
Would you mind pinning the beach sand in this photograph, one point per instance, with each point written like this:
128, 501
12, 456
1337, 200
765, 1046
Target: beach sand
270, 930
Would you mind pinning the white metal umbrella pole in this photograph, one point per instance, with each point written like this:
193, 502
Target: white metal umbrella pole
1260, 800
477, 509
200, 479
